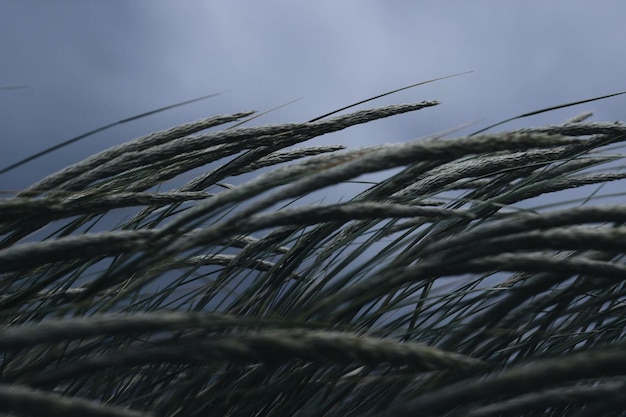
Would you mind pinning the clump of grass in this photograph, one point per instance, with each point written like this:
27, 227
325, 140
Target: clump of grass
443, 289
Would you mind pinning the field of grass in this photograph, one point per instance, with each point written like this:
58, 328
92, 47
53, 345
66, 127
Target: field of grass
449, 288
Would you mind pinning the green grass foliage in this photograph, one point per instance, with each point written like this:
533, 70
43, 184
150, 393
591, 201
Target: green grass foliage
277, 279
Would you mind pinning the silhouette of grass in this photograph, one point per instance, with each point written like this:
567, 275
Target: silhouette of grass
444, 289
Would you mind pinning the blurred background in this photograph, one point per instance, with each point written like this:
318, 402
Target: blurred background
72, 66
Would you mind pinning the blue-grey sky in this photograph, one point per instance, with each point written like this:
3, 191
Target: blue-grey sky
85, 64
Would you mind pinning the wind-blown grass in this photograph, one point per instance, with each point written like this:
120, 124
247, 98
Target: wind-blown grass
442, 290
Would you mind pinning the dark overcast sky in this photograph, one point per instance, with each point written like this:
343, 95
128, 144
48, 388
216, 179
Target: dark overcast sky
89, 63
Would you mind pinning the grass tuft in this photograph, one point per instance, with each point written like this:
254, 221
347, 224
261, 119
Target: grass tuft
217, 269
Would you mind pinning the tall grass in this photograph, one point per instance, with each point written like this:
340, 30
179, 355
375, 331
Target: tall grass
251, 290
